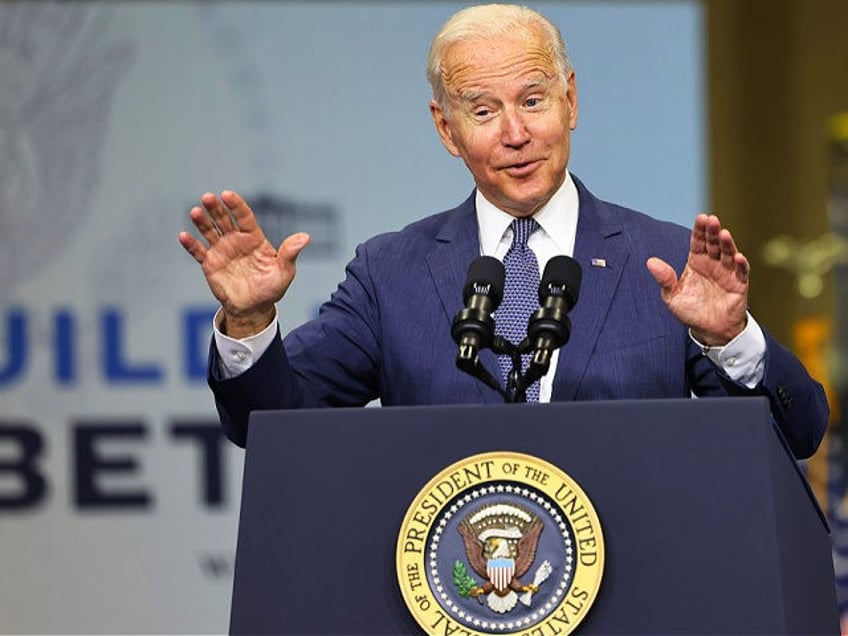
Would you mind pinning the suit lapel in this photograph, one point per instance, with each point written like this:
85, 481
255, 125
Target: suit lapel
601, 249
457, 244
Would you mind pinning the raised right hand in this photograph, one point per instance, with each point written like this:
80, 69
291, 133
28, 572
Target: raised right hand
244, 271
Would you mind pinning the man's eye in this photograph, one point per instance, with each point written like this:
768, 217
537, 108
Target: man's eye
533, 101
482, 112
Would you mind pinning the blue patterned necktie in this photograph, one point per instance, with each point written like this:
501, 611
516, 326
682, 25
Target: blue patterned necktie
520, 298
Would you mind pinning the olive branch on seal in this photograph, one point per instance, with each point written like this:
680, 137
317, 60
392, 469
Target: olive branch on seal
464, 583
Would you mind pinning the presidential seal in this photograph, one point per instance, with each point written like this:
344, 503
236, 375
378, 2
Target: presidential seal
500, 543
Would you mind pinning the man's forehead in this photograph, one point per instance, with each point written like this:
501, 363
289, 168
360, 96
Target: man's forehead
475, 65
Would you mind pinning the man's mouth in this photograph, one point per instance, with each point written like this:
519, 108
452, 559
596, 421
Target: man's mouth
522, 169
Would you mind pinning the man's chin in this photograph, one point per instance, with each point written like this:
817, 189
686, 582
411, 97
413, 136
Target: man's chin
526, 203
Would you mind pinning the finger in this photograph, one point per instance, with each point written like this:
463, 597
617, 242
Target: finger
204, 224
743, 267
240, 211
728, 248
663, 273
292, 246
192, 246
698, 239
713, 243
219, 212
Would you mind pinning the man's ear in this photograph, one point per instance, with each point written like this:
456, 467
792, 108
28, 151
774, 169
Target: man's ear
571, 97
443, 127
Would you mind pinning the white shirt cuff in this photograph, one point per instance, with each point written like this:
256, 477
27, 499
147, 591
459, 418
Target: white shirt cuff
743, 359
237, 356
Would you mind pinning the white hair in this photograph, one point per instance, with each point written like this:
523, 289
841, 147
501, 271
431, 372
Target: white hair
491, 21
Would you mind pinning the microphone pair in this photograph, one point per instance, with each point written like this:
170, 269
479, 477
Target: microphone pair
548, 328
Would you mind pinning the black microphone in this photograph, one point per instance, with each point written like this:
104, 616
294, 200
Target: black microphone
549, 327
474, 328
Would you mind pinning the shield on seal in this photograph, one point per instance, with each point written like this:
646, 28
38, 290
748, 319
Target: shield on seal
500, 571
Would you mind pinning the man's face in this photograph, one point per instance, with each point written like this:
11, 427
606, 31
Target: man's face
509, 118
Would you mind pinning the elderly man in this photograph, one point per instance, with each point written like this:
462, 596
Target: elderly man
505, 101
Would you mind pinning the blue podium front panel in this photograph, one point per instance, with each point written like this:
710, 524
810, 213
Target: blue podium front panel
709, 527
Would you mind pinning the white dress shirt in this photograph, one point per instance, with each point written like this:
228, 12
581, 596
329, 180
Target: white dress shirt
743, 358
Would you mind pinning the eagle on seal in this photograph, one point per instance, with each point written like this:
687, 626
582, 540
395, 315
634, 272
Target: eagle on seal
501, 554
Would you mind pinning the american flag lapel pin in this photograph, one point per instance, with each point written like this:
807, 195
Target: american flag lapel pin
599, 262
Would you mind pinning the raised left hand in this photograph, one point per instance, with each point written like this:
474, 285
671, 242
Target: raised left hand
711, 295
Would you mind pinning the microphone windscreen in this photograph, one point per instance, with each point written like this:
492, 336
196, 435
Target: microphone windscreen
486, 276
562, 277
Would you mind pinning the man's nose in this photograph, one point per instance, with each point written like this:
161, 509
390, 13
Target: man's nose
514, 132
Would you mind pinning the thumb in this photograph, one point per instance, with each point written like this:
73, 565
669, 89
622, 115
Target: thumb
662, 272
292, 246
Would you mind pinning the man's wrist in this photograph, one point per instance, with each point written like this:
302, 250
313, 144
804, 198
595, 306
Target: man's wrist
719, 340
246, 325
743, 358
237, 356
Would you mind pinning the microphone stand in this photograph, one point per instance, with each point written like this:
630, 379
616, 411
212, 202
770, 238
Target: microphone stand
469, 362
518, 382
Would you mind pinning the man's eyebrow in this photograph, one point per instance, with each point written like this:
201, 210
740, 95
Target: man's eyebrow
470, 96
543, 82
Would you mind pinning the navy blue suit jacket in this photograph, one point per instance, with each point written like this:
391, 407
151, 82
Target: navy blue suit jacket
385, 332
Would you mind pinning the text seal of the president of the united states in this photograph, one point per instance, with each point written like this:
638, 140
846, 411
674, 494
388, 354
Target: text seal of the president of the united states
500, 543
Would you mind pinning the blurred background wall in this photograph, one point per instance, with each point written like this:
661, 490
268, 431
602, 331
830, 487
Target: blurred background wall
118, 496
778, 174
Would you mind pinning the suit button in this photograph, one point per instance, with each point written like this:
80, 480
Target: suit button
784, 397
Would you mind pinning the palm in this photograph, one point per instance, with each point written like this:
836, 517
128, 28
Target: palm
243, 271
711, 295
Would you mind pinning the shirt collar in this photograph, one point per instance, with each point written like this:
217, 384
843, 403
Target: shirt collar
558, 219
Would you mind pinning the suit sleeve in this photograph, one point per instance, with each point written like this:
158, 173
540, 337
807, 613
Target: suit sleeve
798, 403
333, 360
